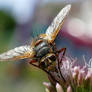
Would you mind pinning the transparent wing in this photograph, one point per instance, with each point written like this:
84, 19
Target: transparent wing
55, 26
17, 53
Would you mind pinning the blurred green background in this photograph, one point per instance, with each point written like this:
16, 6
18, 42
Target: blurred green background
21, 20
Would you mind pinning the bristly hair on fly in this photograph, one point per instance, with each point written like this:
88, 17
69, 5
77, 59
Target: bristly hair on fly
38, 29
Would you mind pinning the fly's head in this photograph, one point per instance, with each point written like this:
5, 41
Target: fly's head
45, 53
48, 62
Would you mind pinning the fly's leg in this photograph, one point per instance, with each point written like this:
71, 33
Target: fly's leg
60, 60
62, 50
32, 63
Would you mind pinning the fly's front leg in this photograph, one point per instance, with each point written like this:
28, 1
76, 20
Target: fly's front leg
32, 63
62, 50
60, 61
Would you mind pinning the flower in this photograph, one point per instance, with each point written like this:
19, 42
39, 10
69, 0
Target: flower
71, 76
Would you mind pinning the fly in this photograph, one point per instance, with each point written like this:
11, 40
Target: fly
42, 51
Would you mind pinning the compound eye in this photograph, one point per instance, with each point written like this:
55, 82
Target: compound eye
52, 58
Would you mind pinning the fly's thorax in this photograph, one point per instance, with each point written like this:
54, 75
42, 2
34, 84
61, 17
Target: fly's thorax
42, 49
48, 62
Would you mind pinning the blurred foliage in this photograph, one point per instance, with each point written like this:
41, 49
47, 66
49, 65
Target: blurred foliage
7, 25
6, 21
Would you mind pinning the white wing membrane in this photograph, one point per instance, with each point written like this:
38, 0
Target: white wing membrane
17, 53
55, 26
